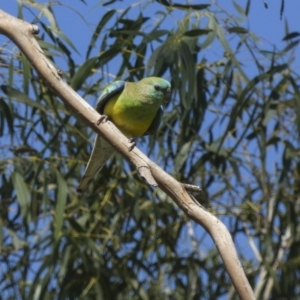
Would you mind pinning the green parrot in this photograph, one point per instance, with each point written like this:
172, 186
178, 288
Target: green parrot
136, 108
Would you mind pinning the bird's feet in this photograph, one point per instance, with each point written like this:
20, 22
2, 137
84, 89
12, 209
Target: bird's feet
132, 143
102, 119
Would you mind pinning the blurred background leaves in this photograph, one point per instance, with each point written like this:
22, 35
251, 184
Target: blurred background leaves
232, 131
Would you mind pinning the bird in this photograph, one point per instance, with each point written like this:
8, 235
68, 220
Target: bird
136, 109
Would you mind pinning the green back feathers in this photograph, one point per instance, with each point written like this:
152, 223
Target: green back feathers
136, 108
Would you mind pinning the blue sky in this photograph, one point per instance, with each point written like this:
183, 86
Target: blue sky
265, 23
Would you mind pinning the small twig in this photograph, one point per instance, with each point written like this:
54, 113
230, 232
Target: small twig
192, 188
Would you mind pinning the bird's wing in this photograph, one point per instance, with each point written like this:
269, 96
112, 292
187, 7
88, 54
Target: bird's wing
156, 121
112, 89
102, 151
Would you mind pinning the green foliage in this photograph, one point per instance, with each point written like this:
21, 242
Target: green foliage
232, 127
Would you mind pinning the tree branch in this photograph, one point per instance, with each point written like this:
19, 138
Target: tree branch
21, 33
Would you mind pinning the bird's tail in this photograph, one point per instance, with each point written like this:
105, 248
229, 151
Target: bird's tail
102, 151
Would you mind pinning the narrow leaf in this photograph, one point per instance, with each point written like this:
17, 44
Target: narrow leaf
291, 35
22, 194
197, 32
61, 200
82, 73
237, 29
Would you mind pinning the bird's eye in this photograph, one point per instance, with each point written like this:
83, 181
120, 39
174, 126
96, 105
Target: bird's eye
157, 87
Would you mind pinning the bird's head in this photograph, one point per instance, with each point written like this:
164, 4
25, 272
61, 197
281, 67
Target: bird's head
159, 87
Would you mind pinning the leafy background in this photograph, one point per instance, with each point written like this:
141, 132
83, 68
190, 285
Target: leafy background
232, 127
